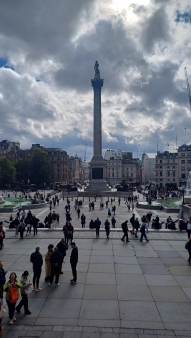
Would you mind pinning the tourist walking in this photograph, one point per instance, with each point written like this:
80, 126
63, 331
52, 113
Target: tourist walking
25, 290
73, 262
62, 248
107, 228
56, 260
47, 262
37, 261
11, 288
132, 220
97, 224
109, 212
143, 230
83, 220
124, 227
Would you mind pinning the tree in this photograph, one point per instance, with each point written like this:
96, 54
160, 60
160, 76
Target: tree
22, 170
7, 171
40, 167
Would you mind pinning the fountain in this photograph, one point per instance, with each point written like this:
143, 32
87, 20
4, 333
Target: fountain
187, 195
1, 200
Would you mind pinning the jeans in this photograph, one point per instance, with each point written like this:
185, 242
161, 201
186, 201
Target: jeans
55, 270
24, 301
143, 234
97, 232
74, 272
36, 277
35, 229
125, 235
16, 231
11, 307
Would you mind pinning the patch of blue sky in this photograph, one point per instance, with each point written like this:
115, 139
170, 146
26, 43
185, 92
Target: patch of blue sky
184, 16
4, 63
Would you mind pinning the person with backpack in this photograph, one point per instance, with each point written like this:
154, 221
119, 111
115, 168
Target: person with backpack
11, 288
124, 227
25, 289
143, 230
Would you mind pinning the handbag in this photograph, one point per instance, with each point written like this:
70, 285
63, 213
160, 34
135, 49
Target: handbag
2, 312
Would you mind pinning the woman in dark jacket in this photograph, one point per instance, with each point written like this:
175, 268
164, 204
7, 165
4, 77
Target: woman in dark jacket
107, 228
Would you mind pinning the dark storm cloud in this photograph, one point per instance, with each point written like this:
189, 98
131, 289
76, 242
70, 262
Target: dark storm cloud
155, 29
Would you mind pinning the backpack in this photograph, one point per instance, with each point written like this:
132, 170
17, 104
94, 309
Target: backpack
1, 235
13, 294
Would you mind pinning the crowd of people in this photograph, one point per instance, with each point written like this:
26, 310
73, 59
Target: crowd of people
14, 287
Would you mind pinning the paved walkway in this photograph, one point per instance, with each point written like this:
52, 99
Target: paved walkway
124, 290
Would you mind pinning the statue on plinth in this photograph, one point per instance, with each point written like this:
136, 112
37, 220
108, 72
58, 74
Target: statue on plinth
96, 68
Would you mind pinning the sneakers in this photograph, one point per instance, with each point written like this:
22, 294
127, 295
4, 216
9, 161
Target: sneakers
49, 284
73, 282
57, 284
34, 289
28, 313
38, 289
14, 319
122, 239
11, 322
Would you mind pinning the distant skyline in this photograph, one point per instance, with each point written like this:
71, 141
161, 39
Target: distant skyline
47, 57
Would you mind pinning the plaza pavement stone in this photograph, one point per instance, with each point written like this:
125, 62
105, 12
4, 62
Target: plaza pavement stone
124, 289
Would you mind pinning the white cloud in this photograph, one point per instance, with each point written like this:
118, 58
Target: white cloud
47, 96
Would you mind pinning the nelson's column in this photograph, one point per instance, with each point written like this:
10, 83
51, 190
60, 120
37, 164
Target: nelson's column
97, 164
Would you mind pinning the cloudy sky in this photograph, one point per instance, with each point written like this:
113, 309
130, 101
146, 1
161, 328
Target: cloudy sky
47, 55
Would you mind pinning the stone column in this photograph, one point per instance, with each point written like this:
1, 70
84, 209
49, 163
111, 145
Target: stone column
97, 84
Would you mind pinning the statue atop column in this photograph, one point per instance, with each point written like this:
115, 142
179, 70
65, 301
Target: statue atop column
96, 68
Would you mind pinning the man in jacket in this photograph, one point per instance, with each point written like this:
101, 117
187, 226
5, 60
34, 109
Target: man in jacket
35, 224
97, 224
56, 260
73, 262
125, 231
54, 220
37, 261
62, 247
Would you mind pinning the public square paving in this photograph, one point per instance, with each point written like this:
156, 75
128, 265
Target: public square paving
124, 289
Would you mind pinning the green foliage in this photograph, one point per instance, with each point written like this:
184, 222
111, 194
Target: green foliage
22, 170
7, 171
40, 167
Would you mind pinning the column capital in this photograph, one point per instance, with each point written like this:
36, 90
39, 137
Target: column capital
97, 83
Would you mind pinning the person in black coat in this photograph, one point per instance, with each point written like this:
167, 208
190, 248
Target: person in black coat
35, 224
124, 226
62, 247
97, 224
37, 261
56, 260
73, 262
